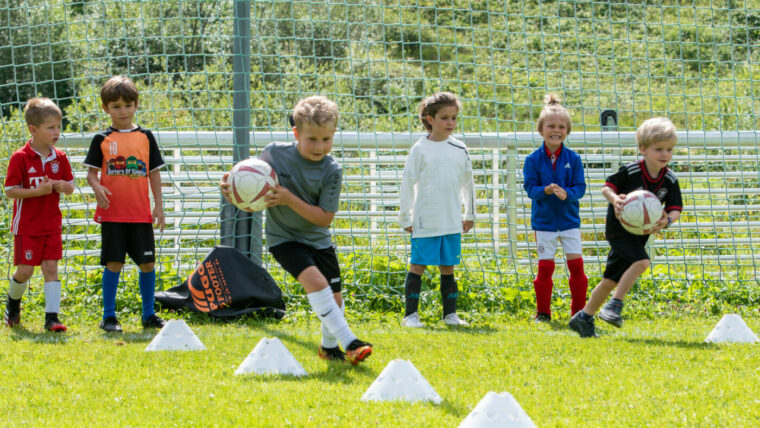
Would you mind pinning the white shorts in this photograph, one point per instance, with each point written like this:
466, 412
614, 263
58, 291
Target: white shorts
547, 242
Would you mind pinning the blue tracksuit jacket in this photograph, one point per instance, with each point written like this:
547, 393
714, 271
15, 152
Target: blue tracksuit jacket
548, 212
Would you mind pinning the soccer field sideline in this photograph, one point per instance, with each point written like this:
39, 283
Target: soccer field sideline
646, 371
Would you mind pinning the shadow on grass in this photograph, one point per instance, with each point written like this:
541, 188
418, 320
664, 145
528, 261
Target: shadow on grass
453, 409
41, 337
665, 342
127, 337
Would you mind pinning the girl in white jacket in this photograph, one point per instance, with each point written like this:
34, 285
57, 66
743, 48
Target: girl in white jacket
437, 181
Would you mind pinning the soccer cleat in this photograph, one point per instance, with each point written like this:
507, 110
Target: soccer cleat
412, 321
331, 354
110, 325
453, 319
542, 318
153, 321
611, 313
53, 324
358, 351
584, 327
11, 316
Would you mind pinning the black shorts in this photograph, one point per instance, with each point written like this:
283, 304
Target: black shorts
624, 253
295, 257
120, 239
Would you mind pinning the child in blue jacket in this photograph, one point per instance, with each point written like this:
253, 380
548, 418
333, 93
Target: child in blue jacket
555, 183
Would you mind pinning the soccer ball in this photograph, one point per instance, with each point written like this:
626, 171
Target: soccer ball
249, 181
641, 212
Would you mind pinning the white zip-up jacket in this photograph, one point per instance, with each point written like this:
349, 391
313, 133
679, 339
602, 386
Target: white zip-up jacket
437, 181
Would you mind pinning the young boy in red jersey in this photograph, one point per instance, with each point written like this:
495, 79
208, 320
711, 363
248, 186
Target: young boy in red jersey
129, 161
37, 174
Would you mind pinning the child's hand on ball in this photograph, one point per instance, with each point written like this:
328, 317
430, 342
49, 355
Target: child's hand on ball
662, 223
225, 187
278, 196
619, 204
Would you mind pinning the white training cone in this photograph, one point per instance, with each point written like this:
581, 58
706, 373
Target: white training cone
400, 380
496, 411
175, 336
270, 356
731, 328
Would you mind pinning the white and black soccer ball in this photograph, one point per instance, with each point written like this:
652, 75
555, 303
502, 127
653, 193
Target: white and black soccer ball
641, 212
249, 181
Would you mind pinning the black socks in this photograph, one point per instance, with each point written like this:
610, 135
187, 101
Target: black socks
449, 294
412, 288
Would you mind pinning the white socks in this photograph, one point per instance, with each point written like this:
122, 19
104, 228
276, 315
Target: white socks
53, 297
328, 339
323, 304
52, 294
16, 289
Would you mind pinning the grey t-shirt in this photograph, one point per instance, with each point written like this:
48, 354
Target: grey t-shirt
317, 183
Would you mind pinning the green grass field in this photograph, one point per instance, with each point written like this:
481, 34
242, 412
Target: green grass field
649, 373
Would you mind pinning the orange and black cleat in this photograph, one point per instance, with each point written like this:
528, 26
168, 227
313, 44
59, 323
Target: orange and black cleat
358, 351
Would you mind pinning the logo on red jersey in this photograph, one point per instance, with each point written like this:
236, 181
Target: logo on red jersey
55, 167
35, 181
28, 254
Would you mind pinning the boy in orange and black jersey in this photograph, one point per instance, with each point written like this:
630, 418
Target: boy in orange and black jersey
129, 162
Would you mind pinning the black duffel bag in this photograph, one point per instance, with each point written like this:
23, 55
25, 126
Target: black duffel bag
226, 284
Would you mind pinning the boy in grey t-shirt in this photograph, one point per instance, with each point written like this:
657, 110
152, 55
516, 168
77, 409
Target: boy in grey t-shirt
299, 213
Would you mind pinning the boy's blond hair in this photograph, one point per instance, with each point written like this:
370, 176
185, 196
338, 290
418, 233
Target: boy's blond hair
430, 106
655, 130
553, 105
38, 109
119, 87
316, 111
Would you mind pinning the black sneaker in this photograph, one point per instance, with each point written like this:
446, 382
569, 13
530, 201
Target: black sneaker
11, 316
540, 317
358, 351
611, 313
331, 354
53, 324
584, 327
110, 325
153, 321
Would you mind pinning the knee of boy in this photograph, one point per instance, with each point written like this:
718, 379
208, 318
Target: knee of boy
643, 264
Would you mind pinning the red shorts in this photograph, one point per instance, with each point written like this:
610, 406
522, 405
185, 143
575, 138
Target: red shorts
32, 250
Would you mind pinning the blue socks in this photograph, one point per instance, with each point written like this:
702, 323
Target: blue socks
110, 283
147, 291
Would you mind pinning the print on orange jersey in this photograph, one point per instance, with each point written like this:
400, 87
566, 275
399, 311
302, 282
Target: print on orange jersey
130, 166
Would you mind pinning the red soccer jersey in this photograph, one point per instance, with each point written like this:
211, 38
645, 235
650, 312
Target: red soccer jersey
27, 168
124, 159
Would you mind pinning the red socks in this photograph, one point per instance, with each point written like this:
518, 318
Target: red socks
543, 285
578, 284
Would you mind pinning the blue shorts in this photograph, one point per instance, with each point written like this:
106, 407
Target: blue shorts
437, 250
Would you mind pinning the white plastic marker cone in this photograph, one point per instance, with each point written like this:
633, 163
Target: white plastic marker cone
270, 356
731, 328
400, 380
497, 410
175, 336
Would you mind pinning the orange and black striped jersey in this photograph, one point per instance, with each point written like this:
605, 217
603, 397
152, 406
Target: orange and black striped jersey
125, 158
